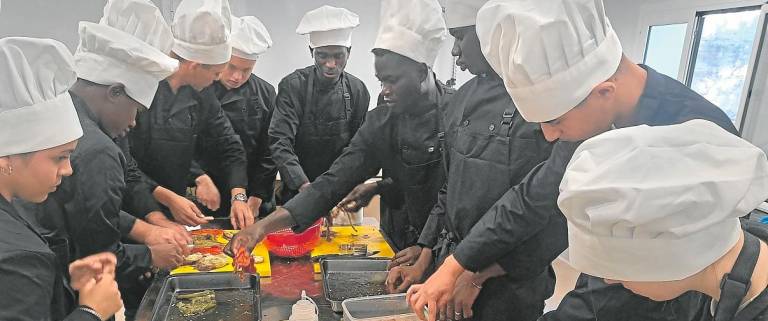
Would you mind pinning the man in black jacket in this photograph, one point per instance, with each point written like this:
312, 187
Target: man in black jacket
402, 138
185, 118
248, 102
489, 148
318, 108
592, 91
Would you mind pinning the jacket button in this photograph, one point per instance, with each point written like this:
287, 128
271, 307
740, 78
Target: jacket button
465, 123
431, 149
491, 127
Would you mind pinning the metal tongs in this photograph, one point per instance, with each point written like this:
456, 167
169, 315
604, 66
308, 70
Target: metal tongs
349, 216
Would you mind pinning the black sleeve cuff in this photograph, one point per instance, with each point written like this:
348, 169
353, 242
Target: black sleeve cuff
81, 315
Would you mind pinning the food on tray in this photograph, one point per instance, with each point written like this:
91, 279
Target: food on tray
204, 240
229, 234
258, 259
192, 258
196, 303
211, 262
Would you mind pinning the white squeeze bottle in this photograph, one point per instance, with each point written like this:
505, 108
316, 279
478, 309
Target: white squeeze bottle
304, 310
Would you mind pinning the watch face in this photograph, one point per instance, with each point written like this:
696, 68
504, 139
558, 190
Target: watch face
240, 197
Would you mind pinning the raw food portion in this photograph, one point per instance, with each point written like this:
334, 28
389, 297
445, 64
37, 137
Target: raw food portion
204, 240
211, 262
196, 303
192, 258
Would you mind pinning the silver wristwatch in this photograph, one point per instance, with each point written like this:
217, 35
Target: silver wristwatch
240, 197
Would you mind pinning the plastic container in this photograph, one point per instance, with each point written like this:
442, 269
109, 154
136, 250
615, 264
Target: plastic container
286, 243
304, 310
391, 307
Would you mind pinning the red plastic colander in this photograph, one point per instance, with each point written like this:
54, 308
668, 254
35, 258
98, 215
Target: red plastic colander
286, 243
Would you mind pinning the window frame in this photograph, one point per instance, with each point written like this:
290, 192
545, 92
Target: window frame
693, 16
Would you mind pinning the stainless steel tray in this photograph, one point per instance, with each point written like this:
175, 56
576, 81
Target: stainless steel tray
345, 278
378, 308
236, 299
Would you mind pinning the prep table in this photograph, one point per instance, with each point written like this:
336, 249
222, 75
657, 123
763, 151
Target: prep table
278, 292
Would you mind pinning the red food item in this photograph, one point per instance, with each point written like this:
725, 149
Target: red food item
214, 250
243, 261
214, 232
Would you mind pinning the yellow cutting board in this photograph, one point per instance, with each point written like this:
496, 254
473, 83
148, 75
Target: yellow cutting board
264, 268
346, 235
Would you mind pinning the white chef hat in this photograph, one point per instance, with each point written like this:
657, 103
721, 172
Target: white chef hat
141, 19
36, 110
412, 28
328, 26
461, 13
249, 37
659, 203
108, 56
550, 53
201, 29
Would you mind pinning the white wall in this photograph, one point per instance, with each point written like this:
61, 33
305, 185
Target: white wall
290, 50
55, 19
58, 19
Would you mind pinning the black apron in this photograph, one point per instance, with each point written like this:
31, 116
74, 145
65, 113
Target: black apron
508, 297
420, 178
320, 141
170, 137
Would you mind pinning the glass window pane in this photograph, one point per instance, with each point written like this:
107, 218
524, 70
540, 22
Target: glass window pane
723, 55
665, 48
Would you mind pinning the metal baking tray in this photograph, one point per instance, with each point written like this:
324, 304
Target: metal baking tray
345, 278
236, 299
378, 308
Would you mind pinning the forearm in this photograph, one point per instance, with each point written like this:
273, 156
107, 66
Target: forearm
278, 220
490, 272
140, 231
164, 195
425, 258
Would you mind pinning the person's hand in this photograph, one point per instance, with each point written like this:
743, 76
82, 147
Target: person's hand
303, 187
437, 293
240, 215
359, 197
166, 256
159, 219
186, 212
207, 193
102, 296
254, 203
408, 256
464, 295
92, 267
161, 235
400, 278
248, 238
